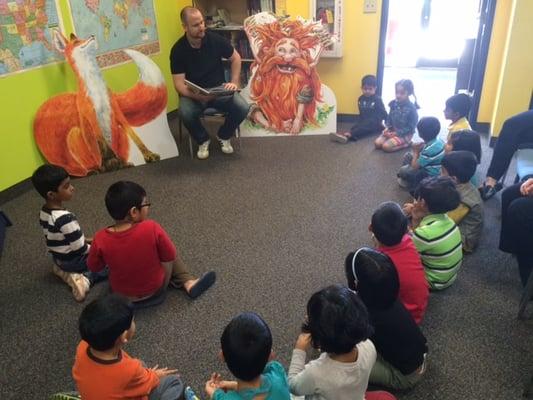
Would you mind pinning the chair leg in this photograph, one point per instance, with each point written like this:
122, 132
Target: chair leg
238, 136
190, 146
526, 297
180, 129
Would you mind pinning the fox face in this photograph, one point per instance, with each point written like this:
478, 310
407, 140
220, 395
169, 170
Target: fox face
78, 52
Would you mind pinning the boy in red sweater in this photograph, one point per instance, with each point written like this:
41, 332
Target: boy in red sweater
141, 257
102, 370
389, 229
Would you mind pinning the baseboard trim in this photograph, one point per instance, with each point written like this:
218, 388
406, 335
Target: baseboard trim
15, 191
346, 117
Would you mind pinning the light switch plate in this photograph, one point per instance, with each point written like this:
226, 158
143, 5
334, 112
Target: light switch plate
370, 6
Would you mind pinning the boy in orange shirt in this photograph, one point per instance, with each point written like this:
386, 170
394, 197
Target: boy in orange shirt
102, 370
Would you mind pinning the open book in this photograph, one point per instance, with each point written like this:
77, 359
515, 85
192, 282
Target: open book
214, 91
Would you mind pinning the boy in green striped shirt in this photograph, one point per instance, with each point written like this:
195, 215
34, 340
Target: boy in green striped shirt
436, 237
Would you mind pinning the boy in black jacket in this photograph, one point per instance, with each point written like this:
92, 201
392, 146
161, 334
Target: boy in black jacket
371, 114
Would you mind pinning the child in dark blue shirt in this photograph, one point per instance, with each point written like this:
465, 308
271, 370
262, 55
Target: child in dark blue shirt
371, 114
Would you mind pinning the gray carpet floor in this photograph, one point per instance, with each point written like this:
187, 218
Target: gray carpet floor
275, 221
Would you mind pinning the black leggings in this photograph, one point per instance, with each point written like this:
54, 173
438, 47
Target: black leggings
516, 131
517, 228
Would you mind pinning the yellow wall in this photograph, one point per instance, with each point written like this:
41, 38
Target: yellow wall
498, 40
360, 51
23, 93
516, 77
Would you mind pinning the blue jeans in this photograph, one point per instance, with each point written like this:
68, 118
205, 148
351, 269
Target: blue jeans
191, 110
79, 265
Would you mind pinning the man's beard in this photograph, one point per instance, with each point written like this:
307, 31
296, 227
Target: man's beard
276, 92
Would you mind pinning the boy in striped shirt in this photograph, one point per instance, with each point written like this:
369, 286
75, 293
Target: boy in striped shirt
425, 158
436, 237
64, 238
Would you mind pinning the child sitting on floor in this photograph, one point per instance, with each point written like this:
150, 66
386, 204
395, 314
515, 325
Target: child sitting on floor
247, 350
141, 257
436, 237
425, 158
457, 109
338, 326
102, 370
371, 113
389, 228
461, 166
64, 238
401, 121
401, 346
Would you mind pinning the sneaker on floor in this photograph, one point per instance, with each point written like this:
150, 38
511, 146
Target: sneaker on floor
189, 394
226, 146
203, 150
402, 183
80, 286
204, 283
338, 137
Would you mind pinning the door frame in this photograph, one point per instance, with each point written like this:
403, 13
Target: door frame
479, 64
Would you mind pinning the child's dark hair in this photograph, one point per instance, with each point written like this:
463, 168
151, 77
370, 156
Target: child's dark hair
369, 80
428, 128
103, 321
407, 84
439, 193
389, 223
460, 164
467, 140
246, 345
337, 320
459, 103
122, 196
47, 178
374, 276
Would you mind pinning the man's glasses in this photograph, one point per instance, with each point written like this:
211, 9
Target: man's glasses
144, 205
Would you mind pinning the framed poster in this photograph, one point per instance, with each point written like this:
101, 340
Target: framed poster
329, 12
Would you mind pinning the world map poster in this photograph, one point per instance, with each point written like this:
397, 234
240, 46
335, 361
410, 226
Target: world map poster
25, 34
116, 24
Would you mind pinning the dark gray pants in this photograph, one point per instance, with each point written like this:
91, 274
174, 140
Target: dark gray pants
170, 388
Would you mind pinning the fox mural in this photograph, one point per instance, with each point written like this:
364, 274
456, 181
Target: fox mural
91, 130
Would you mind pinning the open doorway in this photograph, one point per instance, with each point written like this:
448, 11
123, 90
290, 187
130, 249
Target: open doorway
441, 45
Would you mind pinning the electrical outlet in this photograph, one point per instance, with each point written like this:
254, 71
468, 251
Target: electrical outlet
370, 6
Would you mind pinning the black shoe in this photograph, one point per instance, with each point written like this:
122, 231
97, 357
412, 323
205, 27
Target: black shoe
204, 283
487, 192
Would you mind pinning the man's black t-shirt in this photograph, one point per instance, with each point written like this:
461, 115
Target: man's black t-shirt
202, 66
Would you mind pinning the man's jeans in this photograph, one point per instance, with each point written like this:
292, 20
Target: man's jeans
191, 110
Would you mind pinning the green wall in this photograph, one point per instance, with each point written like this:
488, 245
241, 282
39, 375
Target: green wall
22, 94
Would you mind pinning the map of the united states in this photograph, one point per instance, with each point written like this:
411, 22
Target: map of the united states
25, 34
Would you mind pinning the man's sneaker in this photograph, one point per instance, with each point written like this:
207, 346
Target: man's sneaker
203, 150
226, 146
338, 137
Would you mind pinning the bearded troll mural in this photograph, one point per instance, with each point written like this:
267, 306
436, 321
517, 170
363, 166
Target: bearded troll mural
285, 89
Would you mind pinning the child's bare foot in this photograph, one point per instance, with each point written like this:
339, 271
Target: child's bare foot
341, 137
196, 287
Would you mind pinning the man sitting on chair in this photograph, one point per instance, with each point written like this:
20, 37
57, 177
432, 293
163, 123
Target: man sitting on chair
197, 56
